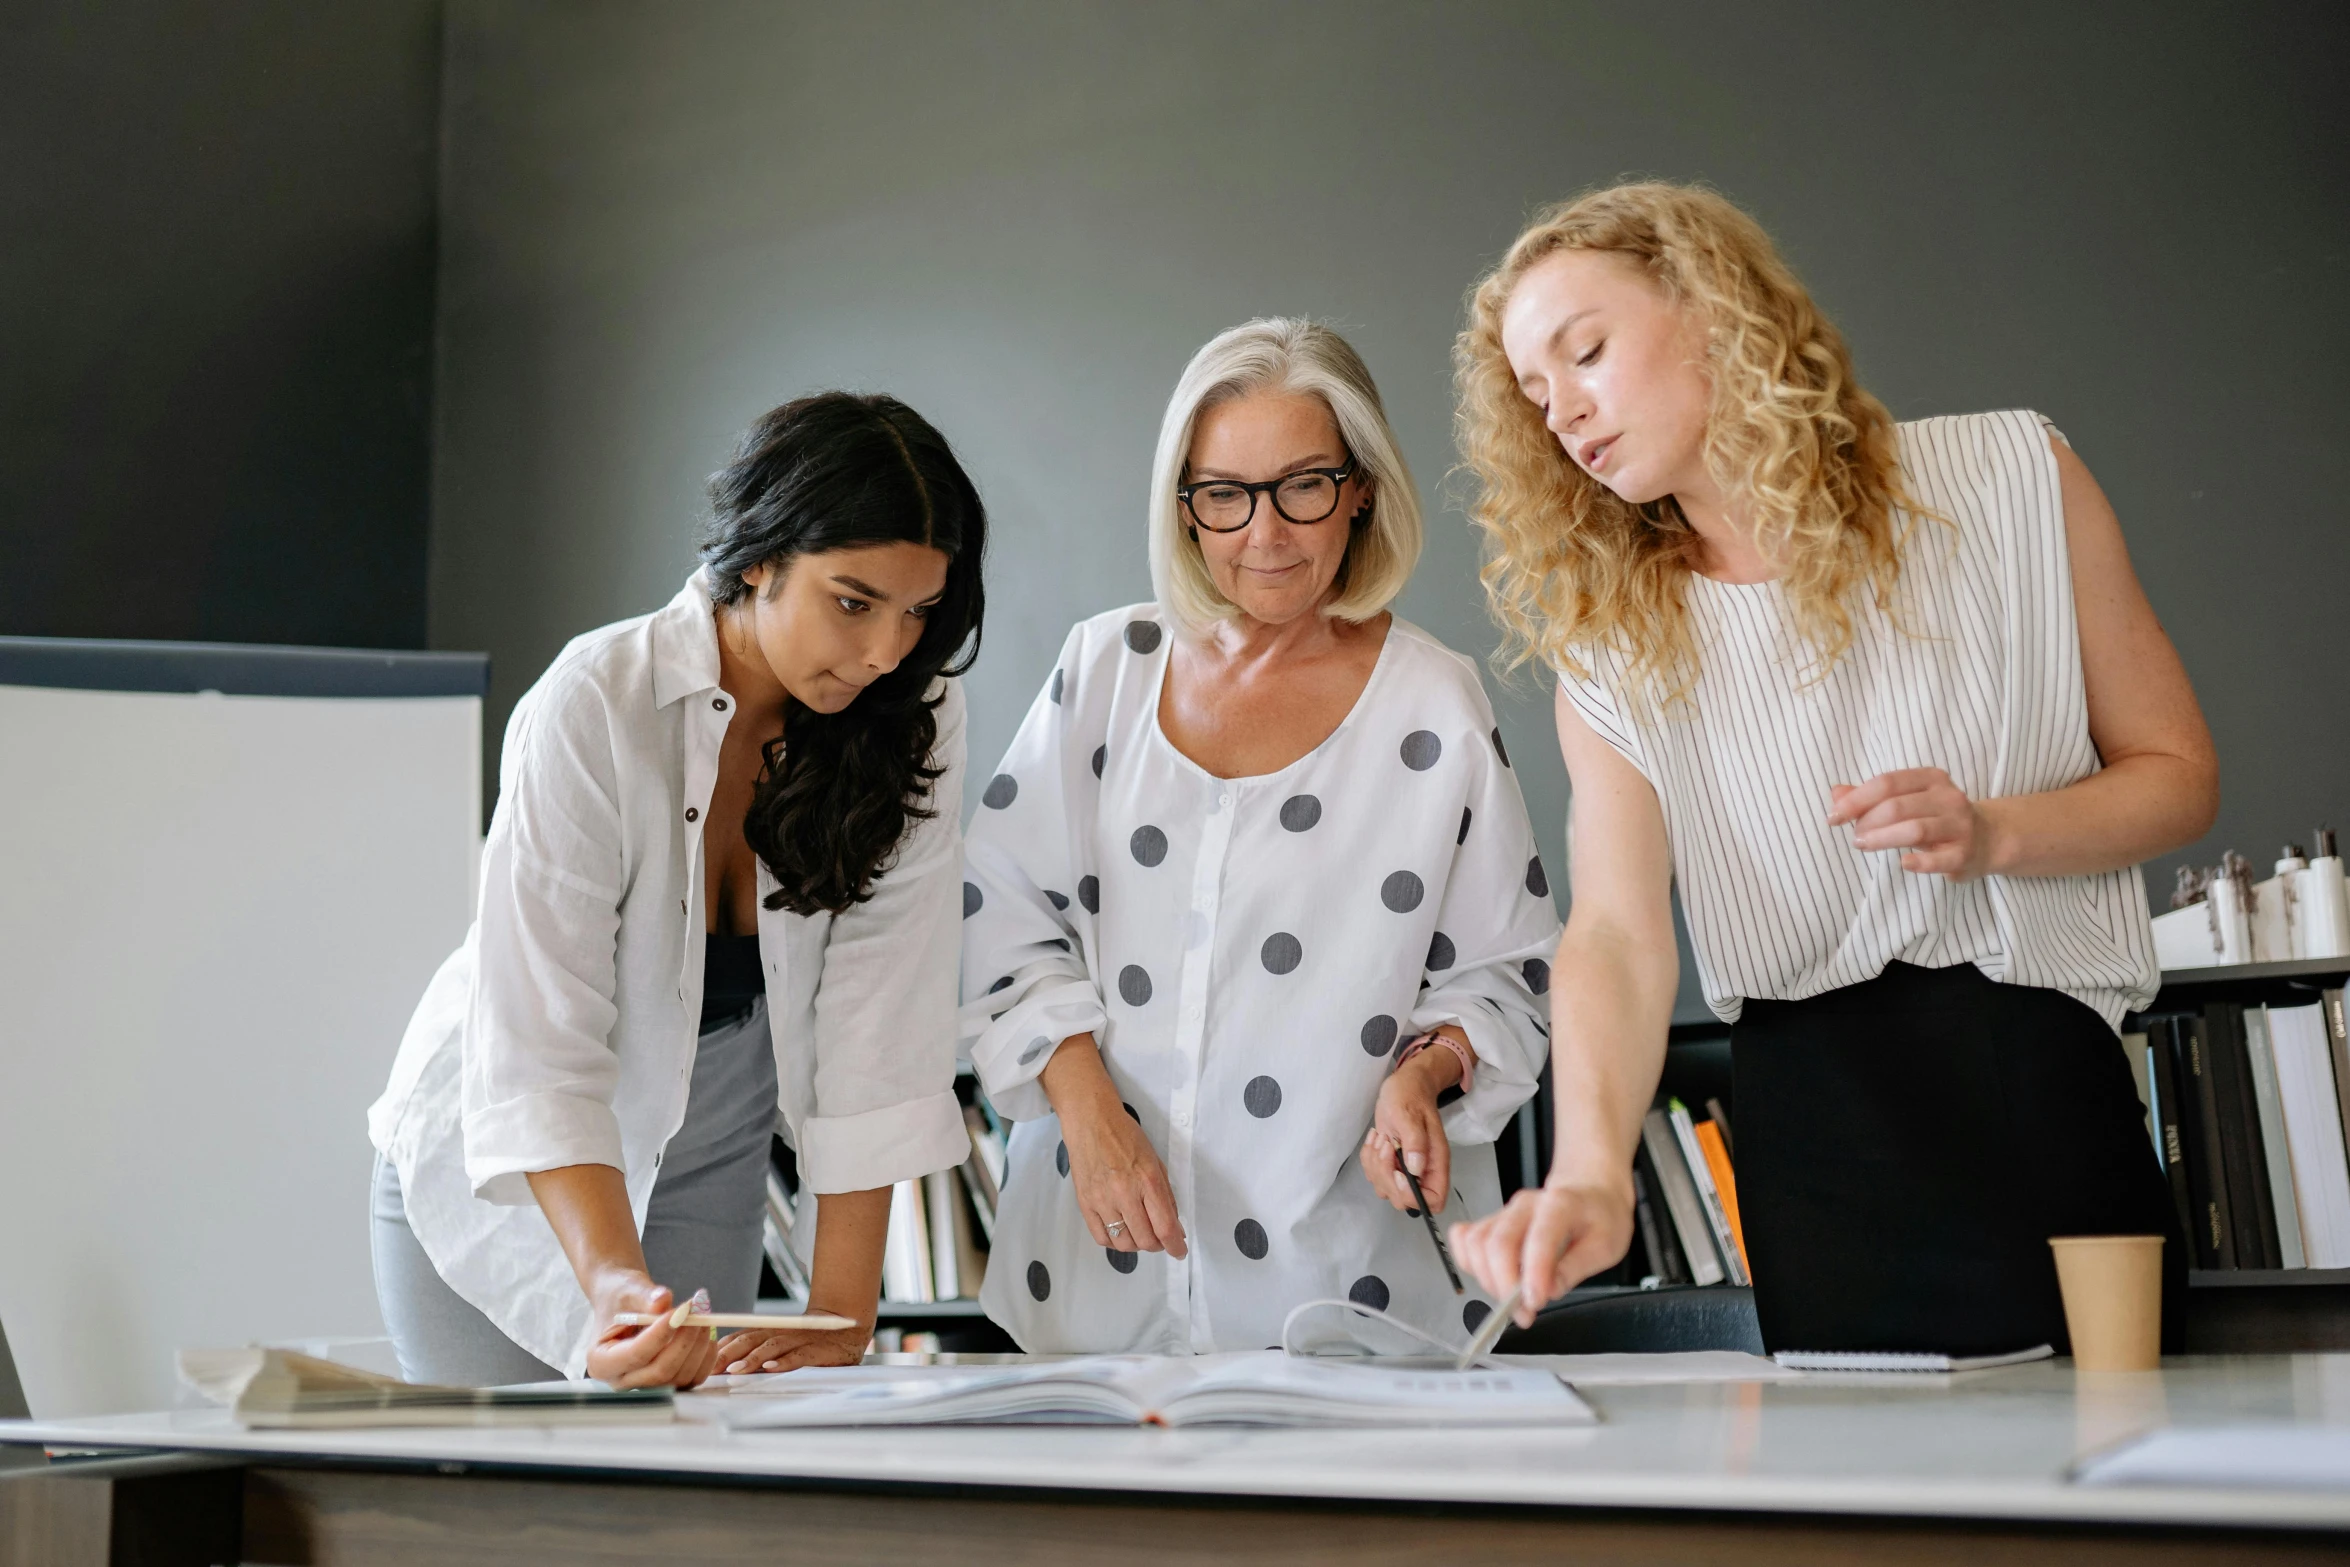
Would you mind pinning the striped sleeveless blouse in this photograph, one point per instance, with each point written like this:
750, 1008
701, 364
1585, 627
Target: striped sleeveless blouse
1982, 679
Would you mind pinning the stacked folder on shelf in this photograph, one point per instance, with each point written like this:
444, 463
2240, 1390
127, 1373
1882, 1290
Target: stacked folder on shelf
940, 1227
1687, 1198
2249, 1111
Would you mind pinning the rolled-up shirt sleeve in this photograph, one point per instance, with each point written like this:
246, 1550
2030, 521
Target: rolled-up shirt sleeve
539, 1071
885, 1107
1498, 914
1027, 913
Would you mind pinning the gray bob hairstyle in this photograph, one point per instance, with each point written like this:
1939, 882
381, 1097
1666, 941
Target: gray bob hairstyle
1284, 354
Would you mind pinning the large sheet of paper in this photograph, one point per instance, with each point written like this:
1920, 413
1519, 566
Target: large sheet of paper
216, 913
1252, 1387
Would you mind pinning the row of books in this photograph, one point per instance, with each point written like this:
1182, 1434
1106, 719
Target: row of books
1686, 1198
940, 1227
2249, 1111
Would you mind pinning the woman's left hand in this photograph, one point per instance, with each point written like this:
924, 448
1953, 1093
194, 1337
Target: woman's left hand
1921, 812
760, 1349
1408, 1123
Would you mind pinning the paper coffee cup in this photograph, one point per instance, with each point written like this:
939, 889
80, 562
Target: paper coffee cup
2112, 1288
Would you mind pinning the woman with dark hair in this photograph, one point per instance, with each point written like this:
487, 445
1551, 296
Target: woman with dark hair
720, 899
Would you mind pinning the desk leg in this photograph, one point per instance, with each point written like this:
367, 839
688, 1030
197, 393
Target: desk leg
171, 1510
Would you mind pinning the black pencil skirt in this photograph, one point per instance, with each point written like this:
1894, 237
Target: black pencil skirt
1906, 1147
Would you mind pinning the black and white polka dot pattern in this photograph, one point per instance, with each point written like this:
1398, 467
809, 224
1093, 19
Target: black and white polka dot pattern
1402, 892
1249, 954
1001, 791
1262, 1097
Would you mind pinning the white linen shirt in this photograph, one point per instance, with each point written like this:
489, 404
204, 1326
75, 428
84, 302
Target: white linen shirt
563, 1031
1249, 953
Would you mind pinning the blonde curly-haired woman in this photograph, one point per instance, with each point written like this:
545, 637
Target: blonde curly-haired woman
1888, 704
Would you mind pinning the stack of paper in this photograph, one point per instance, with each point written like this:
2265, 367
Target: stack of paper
277, 1387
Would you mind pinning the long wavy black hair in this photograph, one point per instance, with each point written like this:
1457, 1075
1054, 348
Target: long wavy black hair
840, 471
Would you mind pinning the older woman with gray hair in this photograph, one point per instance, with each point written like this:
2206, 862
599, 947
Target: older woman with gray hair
1252, 892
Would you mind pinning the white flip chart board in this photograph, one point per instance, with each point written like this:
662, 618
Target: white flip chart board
216, 912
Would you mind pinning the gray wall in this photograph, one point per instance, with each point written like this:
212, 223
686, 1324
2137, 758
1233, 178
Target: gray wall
659, 220
216, 274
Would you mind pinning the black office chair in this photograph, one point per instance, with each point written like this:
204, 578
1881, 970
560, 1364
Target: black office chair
1615, 1321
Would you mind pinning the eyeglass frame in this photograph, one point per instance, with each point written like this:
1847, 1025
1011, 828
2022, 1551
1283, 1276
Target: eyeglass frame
1271, 490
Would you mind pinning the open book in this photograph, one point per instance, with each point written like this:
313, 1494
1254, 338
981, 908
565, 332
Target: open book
277, 1387
1249, 1388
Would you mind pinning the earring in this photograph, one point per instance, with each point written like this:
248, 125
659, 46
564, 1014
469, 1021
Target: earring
1191, 533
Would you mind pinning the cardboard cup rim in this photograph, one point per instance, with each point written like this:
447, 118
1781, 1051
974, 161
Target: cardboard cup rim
2107, 1240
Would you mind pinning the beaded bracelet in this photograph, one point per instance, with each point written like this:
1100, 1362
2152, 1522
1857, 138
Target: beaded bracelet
1461, 1053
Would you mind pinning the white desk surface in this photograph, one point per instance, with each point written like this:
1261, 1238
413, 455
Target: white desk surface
1988, 1444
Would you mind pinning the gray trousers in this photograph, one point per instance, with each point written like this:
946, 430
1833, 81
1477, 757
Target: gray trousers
702, 1227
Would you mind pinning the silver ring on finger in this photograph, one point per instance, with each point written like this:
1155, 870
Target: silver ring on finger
1115, 1225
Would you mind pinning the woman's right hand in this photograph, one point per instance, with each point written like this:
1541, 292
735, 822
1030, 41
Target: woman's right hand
1113, 1167
1546, 1240
654, 1356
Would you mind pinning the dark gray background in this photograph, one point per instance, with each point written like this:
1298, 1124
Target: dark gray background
216, 293
657, 220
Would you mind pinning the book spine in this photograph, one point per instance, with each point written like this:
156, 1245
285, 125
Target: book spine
2338, 1054
1652, 1244
987, 1159
1717, 1165
1715, 1214
2170, 1141
782, 1222
938, 1209
981, 1209
2255, 1220
2313, 1130
1664, 1250
970, 1251
1681, 1204
2260, 1056
2134, 1052
2215, 1242
905, 1257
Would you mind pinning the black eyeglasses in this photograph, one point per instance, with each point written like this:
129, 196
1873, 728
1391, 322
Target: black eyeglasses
1227, 505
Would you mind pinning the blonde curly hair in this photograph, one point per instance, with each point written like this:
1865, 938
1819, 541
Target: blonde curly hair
1570, 566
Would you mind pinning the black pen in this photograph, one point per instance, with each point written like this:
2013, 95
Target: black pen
1429, 1219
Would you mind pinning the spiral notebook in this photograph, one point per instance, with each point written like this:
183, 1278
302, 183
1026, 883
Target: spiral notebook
1870, 1360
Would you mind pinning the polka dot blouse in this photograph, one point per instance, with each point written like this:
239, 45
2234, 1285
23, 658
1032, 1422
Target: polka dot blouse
1250, 953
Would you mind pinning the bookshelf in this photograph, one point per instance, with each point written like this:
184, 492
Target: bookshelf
2238, 1310
2232, 1311
2288, 983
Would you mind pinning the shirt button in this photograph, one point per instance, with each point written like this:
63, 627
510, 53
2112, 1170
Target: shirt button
719, 703
692, 814
1223, 799
1183, 1118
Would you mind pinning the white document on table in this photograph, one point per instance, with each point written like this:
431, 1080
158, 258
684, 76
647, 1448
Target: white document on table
2269, 1456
